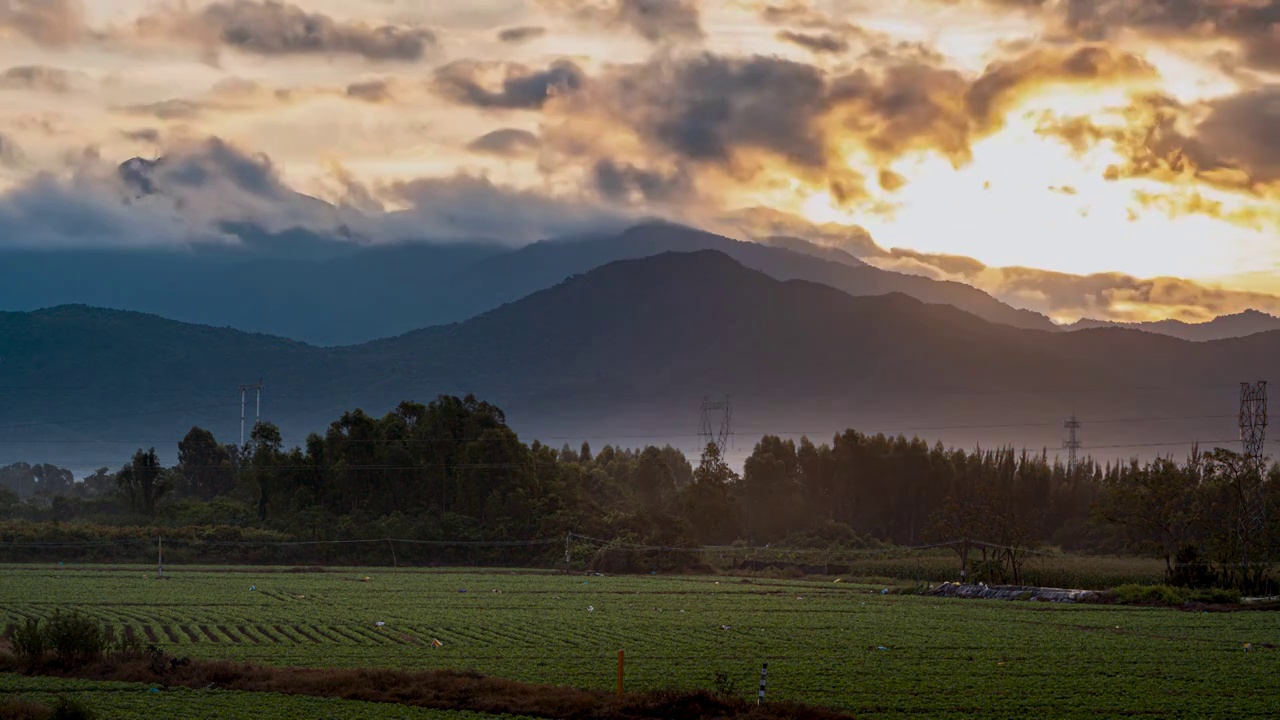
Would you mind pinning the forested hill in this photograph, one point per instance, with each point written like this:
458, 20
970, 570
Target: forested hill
627, 349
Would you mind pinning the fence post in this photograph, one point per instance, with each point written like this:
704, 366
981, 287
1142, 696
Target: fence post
764, 672
160, 557
567, 540
620, 662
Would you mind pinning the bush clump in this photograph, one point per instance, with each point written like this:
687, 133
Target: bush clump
1167, 595
72, 710
72, 638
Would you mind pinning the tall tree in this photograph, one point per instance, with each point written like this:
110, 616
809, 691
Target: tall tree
143, 482
205, 466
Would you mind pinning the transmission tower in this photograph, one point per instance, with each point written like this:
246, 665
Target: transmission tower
719, 436
1072, 443
257, 413
1253, 431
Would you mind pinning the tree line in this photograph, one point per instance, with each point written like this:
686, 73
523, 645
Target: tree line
454, 470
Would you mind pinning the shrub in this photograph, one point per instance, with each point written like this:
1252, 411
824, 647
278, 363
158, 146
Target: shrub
17, 709
1217, 596
76, 639
129, 647
1140, 594
28, 640
71, 710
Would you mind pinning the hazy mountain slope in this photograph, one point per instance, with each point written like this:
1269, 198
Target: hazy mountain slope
1225, 326
329, 292
514, 275
633, 342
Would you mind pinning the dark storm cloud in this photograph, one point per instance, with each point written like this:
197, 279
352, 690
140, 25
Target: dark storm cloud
521, 88
706, 106
40, 78
657, 20
521, 34
1241, 131
740, 114
507, 142
272, 27
830, 43
625, 182
1251, 24
654, 20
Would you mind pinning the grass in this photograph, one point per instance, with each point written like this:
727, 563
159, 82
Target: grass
1061, 571
822, 640
136, 700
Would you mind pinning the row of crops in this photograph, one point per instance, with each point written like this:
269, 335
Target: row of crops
831, 643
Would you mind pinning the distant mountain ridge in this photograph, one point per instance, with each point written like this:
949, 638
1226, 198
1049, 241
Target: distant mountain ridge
1240, 324
625, 349
305, 286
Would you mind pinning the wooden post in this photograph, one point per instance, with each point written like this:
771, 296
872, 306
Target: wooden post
620, 663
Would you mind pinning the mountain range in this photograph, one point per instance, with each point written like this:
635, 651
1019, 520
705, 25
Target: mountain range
1225, 326
624, 353
315, 289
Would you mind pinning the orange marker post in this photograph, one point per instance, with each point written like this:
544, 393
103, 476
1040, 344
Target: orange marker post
620, 662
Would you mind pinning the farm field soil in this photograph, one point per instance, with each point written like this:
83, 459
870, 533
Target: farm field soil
835, 644
133, 700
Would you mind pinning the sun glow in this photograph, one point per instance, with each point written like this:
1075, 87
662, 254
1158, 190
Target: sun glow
1026, 200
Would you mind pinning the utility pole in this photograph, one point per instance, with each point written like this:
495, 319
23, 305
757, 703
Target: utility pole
722, 435
244, 389
1072, 443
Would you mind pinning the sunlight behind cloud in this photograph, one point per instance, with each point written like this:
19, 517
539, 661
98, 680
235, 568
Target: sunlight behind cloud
1022, 202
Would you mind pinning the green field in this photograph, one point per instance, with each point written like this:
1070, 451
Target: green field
131, 700
823, 640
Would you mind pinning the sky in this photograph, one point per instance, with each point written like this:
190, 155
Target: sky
1102, 158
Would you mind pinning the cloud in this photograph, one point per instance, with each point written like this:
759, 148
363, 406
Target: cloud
1066, 297
275, 28
1003, 83
657, 21
1226, 142
1248, 24
1251, 25
373, 91
506, 142
744, 120
41, 78
628, 183
46, 22
238, 95
143, 135
11, 156
816, 43
518, 87
472, 207
517, 35
186, 197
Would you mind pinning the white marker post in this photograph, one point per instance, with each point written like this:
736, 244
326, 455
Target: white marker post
764, 672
